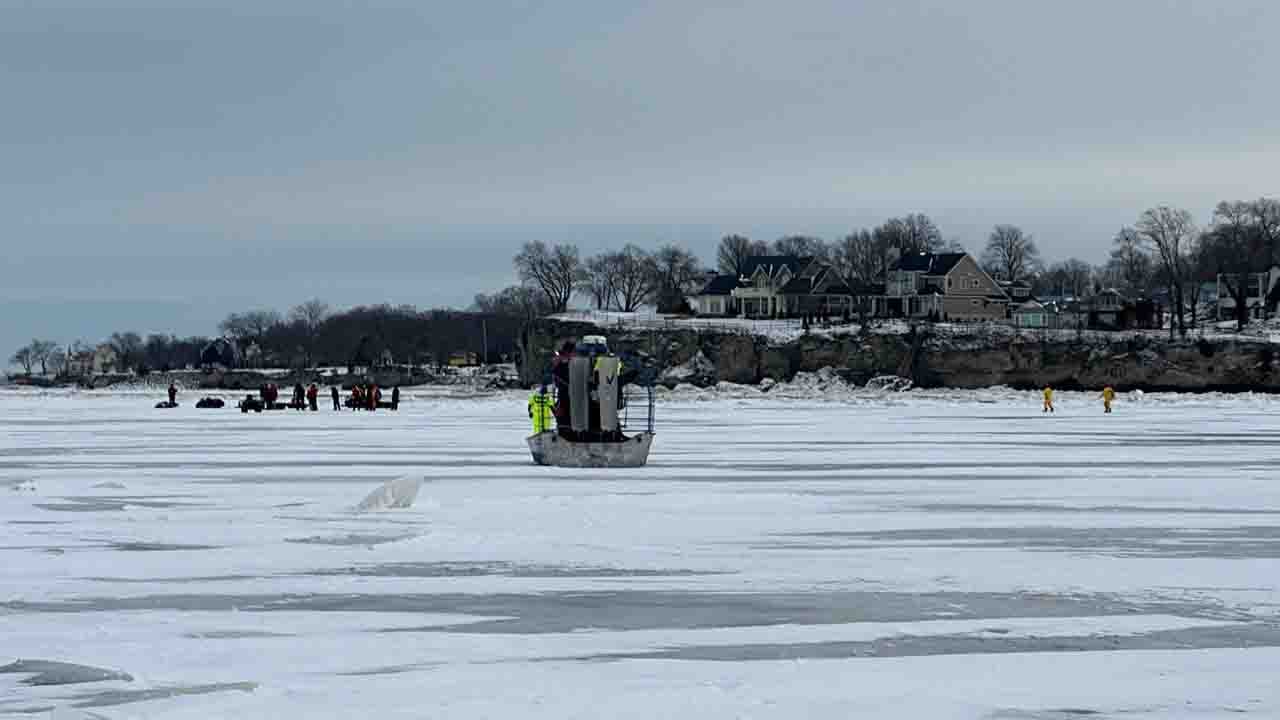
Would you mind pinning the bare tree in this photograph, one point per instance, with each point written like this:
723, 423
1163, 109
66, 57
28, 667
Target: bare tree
637, 278
45, 351
128, 348
553, 270
1011, 254
910, 234
859, 256
26, 357
1172, 233
1266, 219
310, 314
1131, 261
249, 326
309, 317
1072, 277
800, 246
734, 251
56, 362
675, 270
517, 301
42, 351
1235, 246
599, 278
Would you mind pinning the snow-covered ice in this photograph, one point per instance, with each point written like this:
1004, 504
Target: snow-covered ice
810, 551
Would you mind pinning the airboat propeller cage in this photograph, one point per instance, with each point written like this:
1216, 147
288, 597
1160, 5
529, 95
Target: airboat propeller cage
607, 392
579, 393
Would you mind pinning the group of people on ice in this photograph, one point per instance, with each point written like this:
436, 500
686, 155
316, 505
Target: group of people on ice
363, 397
369, 397
1108, 397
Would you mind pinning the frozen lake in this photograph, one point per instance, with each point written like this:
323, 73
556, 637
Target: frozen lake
931, 555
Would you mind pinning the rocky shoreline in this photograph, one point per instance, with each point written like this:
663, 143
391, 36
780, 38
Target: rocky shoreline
935, 357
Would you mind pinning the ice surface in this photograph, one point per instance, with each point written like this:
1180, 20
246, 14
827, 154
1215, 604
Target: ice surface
805, 550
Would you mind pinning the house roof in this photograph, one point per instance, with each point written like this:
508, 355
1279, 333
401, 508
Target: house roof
772, 264
928, 263
719, 285
798, 286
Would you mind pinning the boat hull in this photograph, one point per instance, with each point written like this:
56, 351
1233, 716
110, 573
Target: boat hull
549, 448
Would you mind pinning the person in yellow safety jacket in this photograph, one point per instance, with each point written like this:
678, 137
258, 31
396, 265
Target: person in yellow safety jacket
540, 410
1108, 397
1048, 399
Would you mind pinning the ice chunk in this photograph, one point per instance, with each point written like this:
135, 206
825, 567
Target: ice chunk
397, 493
53, 672
889, 383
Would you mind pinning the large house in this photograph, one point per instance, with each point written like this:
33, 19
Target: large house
943, 286
1262, 294
98, 361
1113, 310
776, 286
760, 288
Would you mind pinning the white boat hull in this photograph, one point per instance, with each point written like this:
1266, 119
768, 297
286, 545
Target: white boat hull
549, 448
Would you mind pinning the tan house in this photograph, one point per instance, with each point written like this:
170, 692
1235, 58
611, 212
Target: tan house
949, 287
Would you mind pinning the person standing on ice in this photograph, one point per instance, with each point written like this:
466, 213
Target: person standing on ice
173, 394
1048, 399
560, 376
337, 398
313, 397
540, 410
395, 398
1108, 397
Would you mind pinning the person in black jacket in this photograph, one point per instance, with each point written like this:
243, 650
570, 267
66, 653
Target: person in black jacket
337, 398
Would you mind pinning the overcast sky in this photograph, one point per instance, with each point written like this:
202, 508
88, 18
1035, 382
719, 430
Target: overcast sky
164, 164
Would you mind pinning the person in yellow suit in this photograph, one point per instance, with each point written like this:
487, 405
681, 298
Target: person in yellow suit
1048, 399
1108, 397
540, 410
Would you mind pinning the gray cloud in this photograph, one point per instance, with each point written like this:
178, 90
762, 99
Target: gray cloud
221, 158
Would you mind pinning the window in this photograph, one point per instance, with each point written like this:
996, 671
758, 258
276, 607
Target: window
975, 303
975, 284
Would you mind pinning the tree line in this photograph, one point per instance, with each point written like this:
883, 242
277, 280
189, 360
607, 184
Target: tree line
309, 335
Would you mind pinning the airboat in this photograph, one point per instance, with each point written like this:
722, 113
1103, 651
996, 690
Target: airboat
601, 412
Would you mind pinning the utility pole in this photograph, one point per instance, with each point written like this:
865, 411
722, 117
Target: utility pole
484, 335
